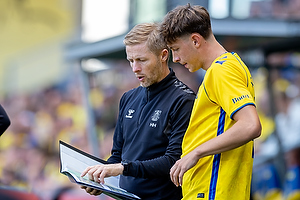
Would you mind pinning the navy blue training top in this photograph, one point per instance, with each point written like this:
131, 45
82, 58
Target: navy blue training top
148, 135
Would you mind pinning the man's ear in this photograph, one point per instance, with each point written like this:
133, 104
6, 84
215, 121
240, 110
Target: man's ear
196, 39
164, 55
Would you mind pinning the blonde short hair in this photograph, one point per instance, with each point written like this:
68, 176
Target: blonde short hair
149, 33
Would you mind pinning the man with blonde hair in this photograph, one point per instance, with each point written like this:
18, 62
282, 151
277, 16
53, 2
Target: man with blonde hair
151, 123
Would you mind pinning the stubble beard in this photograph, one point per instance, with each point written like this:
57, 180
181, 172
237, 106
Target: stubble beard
154, 77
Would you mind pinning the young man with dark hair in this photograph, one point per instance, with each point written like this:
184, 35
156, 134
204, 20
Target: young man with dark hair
217, 147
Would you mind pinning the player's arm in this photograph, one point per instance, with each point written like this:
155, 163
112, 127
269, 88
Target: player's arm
246, 128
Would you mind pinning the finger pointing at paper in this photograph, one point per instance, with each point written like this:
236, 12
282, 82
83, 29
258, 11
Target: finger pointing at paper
97, 173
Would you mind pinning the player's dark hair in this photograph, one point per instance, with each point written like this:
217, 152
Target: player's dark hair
185, 20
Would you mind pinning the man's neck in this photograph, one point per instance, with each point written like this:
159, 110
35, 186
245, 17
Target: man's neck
214, 50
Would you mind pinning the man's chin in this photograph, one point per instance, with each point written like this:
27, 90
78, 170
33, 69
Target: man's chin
192, 70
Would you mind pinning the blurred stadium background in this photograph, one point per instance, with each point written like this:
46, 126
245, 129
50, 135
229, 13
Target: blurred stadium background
63, 71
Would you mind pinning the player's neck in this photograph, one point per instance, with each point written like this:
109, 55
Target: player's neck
213, 51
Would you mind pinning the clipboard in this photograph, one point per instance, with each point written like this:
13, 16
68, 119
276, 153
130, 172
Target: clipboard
74, 161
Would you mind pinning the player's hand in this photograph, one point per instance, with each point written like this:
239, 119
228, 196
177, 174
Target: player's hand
97, 173
181, 166
91, 191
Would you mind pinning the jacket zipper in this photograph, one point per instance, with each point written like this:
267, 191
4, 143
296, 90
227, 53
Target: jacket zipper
147, 100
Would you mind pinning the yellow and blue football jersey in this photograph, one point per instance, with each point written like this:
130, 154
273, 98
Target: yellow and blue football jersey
226, 88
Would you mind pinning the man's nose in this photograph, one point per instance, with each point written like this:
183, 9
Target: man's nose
135, 67
175, 57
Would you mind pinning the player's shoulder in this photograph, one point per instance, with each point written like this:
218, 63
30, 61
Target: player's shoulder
182, 88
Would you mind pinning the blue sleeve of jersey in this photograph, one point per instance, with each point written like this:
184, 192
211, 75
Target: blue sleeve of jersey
178, 123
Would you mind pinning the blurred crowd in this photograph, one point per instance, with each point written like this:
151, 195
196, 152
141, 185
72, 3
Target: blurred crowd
30, 145
276, 172
38, 121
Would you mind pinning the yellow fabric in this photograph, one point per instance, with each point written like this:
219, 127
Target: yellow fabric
227, 87
294, 196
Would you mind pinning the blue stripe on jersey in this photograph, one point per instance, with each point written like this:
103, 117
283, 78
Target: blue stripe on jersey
221, 122
217, 157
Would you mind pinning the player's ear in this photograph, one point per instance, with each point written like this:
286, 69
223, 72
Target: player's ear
196, 39
164, 55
